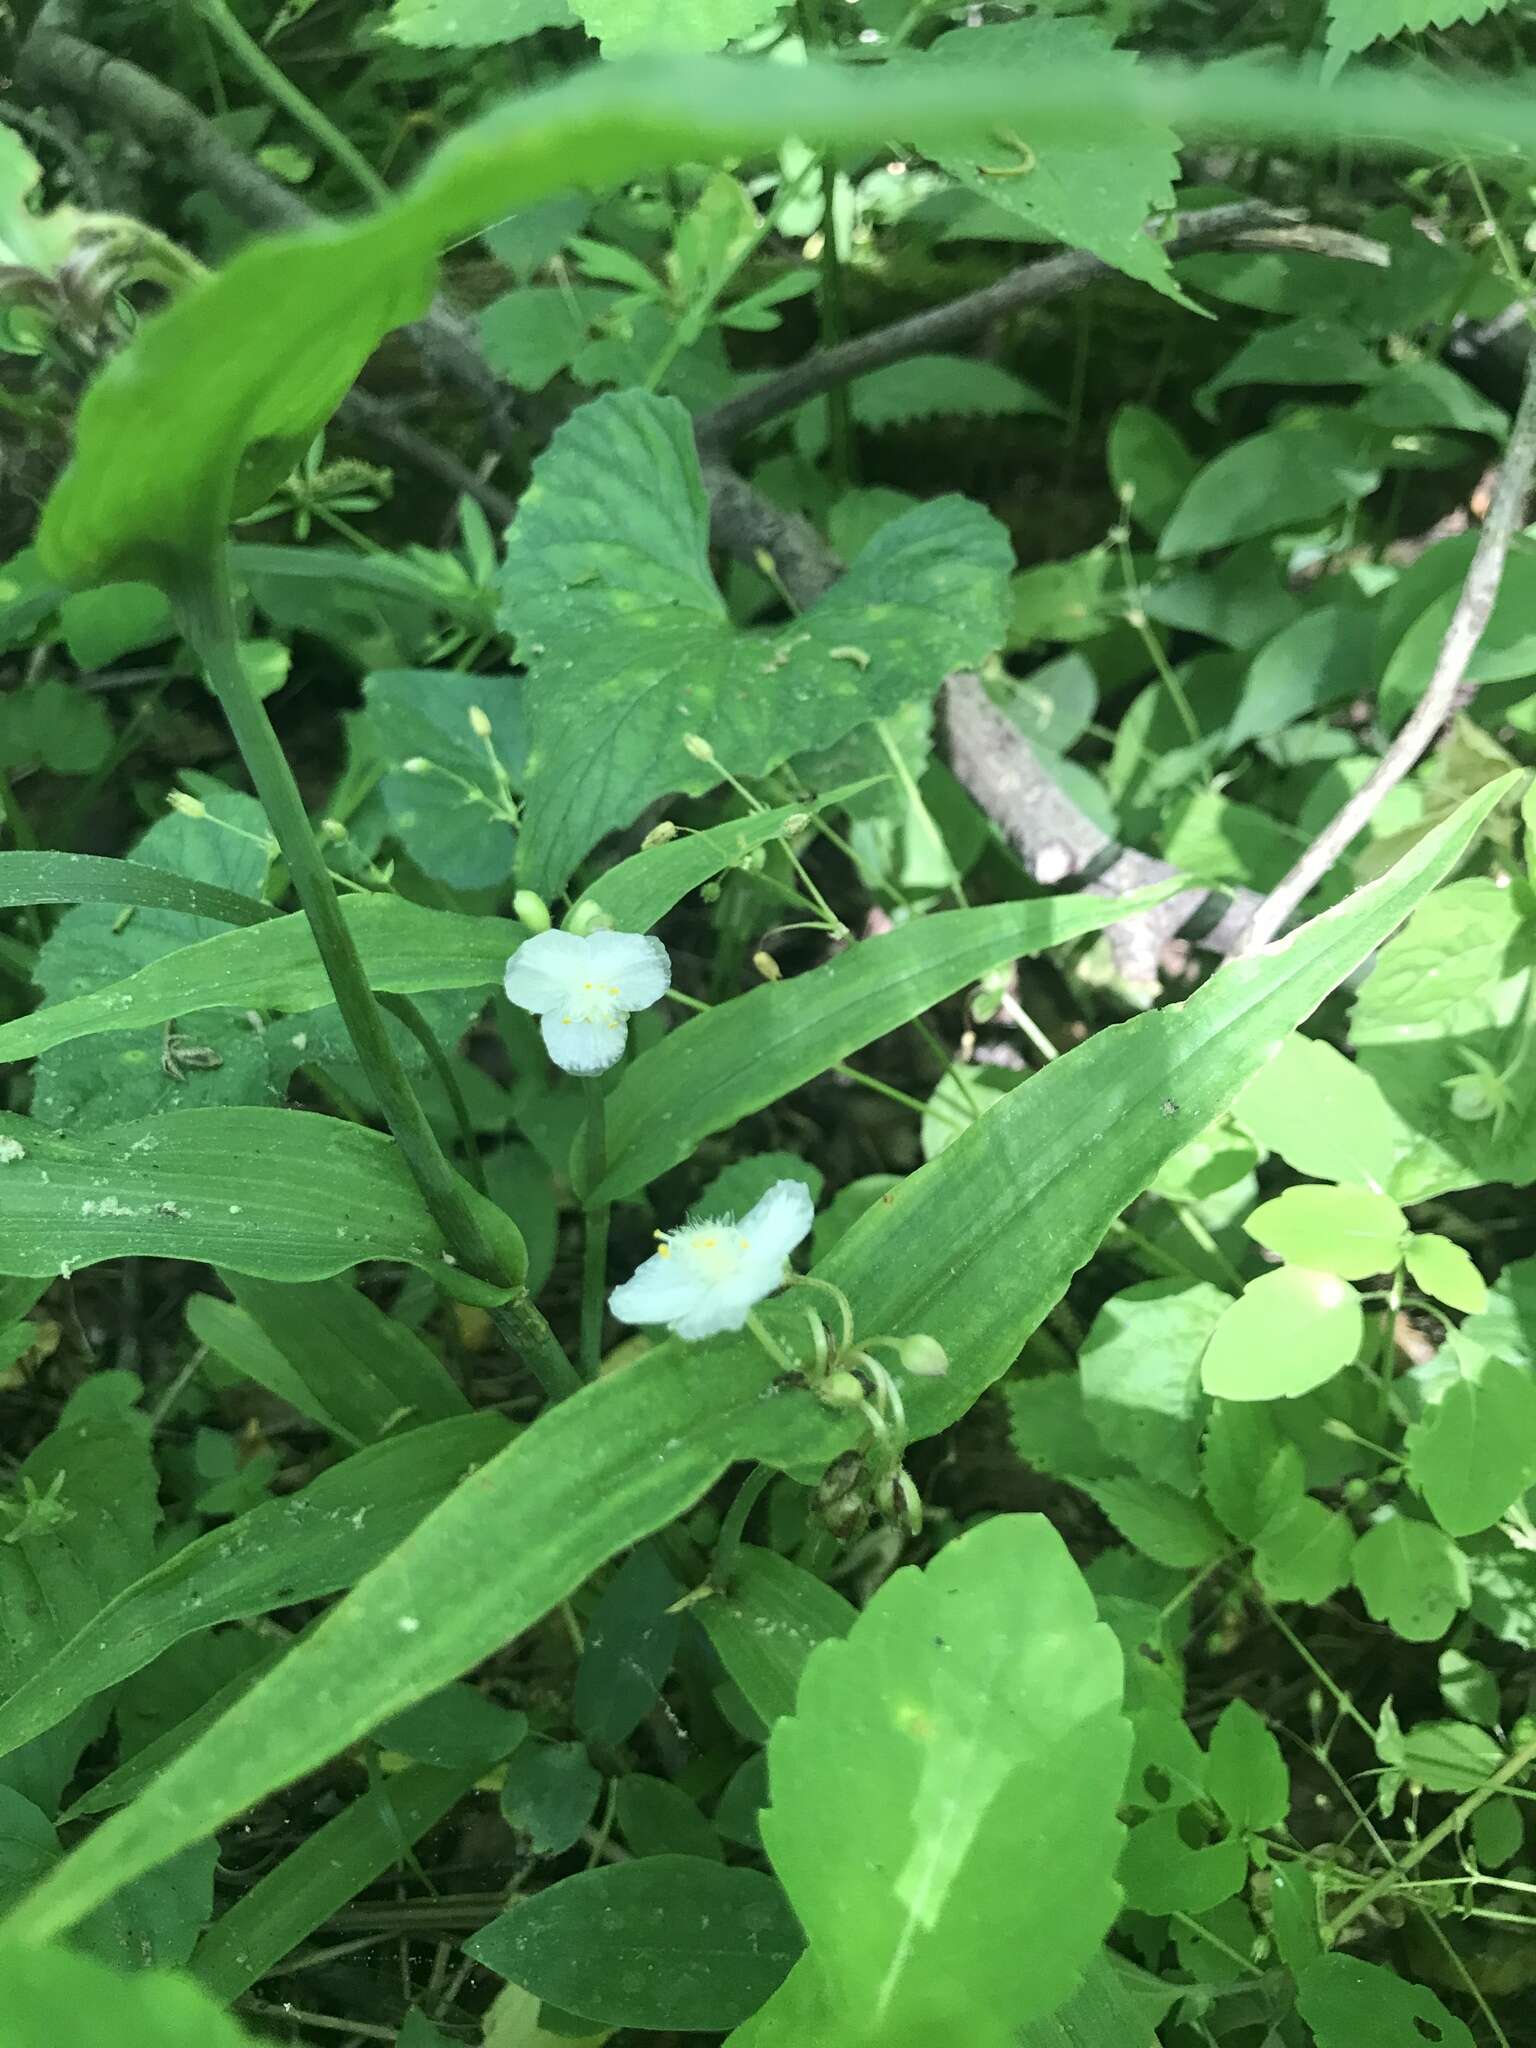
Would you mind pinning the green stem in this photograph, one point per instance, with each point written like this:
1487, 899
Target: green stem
832, 313
205, 612
437, 1058
722, 1565
594, 1264
278, 87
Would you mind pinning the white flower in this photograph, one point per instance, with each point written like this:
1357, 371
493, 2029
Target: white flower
709, 1276
584, 990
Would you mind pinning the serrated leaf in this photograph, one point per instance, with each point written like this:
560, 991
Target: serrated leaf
531, 335
1412, 1577
1163, 1873
1140, 1369
1094, 194
1246, 1775
625, 27
1286, 1333
1305, 1555
471, 24
943, 1815
630, 649
1356, 24
1253, 1476
1473, 1454
1159, 1522
1049, 1425
1350, 1232
923, 388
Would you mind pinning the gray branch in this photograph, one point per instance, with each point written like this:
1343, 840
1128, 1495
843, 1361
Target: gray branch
1468, 621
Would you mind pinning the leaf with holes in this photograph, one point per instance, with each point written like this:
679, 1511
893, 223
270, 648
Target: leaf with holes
631, 651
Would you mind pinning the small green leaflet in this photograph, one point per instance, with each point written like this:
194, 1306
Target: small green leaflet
630, 649
1412, 1577
944, 1797
1288, 1332
1473, 1454
406, 949
273, 1192
621, 26
1092, 193
471, 24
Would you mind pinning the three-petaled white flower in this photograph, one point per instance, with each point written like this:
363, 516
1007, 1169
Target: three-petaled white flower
708, 1277
584, 991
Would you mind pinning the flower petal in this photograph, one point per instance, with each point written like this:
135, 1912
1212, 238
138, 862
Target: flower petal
776, 1224
635, 964
544, 969
725, 1307
581, 1047
655, 1293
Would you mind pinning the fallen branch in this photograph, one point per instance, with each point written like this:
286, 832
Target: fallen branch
1468, 622
993, 760
1251, 223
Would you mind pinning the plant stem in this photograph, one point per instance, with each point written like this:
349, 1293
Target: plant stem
829, 298
277, 85
594, 1265
722, 1565
205, 611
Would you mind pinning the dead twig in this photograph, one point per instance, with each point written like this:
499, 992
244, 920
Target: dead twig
1468, 622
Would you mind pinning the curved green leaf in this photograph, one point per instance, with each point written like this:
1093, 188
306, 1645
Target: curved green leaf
271, 1192
723, 1065
406, 949
975, 1248
217, 396
49, 1995
27, 878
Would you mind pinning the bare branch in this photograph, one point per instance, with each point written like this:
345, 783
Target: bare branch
1050, 277
1468, 622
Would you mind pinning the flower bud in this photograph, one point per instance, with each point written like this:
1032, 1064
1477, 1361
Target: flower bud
841, 1478
766, 965
922, 1356
901, 1502
795, 823
187, 806
659, 835
479, 722
841, 1390
700, 748
587, 918
332, 831
1472, 1099
531, 910
418, 764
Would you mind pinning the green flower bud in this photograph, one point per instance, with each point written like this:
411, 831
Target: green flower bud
531, 910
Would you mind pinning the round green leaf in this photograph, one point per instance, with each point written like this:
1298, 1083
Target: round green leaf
1474, 1453
1285, 1334
1446, 1272
1351, 2004
1412, 1577
1347, 1231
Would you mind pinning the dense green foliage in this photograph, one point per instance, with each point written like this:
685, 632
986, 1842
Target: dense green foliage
631, 661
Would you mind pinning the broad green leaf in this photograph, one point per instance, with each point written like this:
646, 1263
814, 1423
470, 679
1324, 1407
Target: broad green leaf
472, 24
1090, 193
1353, 25
1507, 1325
1321, 1113
1099, 2014
1307, 351
1253, 1476
1346, 1231
78, 1527
630, 1453
514, 2021
1445, 1272
301, 1547
1140, 1370
1287, 1332
406, 950
369, 1372
1353, 2004
1308, 665
1160, 1522
531, 335
550, 1793
719, 1067
661, 1943
330, 1866
630, 649
256, 358
767, 1622
657, 1818
921, 388
1049, 1427
1304, 1555
88, 878
1162, 1872
631, 1638
637, 893
1246, 1775
1149, 465
447, 791
1411, 1576
1444, 1756
94, 946
1473, 1454
1440, 1026
50, 1995
943, 1798
1498, 1832
626, 26
270, 1192
1293, 475
1411, 396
